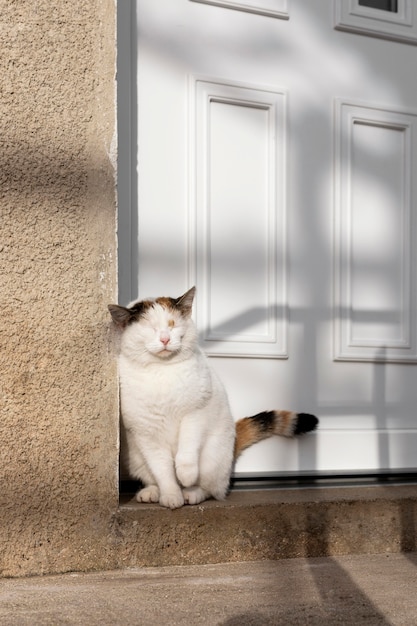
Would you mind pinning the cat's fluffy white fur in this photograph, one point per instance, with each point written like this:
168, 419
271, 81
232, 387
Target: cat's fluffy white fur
180, 431
181, 437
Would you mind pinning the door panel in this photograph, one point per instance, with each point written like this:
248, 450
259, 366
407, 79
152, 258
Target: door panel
275, 172
237, 229
376, 195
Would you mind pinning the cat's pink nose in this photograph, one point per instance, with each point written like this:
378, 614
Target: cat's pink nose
164, 339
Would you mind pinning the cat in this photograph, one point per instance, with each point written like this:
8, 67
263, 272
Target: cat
182, 440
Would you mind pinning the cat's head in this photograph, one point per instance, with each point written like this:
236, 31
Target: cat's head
156, 329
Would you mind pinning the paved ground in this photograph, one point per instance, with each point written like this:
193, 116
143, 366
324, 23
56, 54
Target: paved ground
375, 590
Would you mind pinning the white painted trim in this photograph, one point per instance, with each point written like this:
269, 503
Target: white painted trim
270, 8
350, 16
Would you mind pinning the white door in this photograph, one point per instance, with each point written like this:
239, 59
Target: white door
276, 145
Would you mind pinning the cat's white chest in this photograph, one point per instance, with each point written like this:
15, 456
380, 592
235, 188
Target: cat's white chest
166, 389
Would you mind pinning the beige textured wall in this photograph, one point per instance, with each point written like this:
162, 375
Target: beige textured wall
58, 388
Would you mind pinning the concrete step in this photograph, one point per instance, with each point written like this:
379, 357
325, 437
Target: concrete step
269, 524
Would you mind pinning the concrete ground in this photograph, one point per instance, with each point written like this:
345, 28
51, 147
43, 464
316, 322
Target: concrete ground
375, 590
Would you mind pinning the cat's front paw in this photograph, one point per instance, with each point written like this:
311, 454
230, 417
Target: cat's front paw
148, 494
172, 500
187, 472
195, 495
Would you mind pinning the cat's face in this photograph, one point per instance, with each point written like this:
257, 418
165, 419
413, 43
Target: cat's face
160, 328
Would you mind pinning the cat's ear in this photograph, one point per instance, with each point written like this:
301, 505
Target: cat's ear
120, 315
185, 303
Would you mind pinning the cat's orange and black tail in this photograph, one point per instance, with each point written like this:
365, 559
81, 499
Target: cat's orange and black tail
250, 430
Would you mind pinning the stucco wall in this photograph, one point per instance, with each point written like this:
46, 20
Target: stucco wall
58, 387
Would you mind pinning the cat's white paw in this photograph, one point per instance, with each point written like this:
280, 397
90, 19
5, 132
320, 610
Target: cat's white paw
148, 494
195, 495
172, 500
187, 473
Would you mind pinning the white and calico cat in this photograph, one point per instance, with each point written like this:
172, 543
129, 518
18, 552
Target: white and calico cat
182, 440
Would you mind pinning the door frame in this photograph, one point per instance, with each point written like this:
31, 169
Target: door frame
127, 202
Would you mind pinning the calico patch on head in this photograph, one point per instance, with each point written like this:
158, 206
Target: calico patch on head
123, 316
